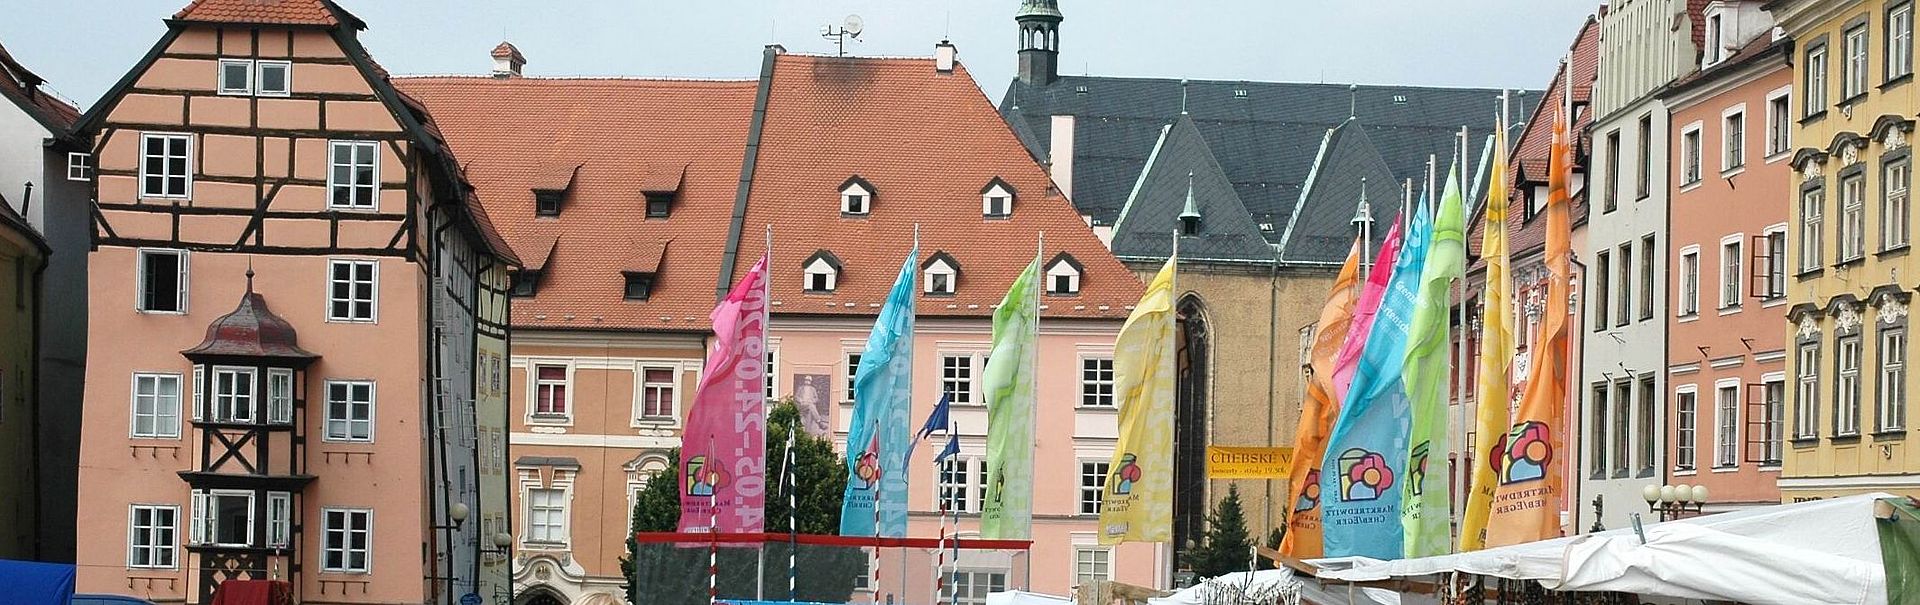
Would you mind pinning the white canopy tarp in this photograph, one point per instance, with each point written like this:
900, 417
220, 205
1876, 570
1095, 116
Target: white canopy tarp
1019, 597
1822, 552
1278, 584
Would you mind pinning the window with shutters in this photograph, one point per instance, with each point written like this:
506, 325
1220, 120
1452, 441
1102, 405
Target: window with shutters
163, 281
1766, 423
1732, 271
1769, 265
222, 518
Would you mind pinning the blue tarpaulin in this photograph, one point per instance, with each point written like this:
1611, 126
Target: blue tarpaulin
29, 583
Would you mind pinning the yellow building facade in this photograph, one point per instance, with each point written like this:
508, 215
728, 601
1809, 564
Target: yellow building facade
1850, 269
23, 256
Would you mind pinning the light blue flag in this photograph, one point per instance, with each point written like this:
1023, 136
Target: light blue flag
879, 438
1366, 459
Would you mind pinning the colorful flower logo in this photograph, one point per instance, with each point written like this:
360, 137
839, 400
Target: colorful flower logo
1523, 453
1417, 476
867, 468
1124, 477
1310, 493
703, 479
1364, 475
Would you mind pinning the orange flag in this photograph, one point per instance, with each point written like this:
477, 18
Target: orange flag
1317, 414
1527, 497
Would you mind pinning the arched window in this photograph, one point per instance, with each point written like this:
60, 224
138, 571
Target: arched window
1190, 422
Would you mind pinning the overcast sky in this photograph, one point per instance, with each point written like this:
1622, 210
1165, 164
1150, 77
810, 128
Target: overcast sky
83, 46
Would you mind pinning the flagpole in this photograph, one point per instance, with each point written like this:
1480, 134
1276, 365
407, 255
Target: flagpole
1433, 166
793, 524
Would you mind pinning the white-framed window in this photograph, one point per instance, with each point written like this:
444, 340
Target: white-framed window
1690, 154
1063, 276
273, 78
199, 392
1891, 405
353, 175
1092, 564
1896, 204
163, 281
236, 77
1813, 205
350, 410
164, 165
346, 541
1093, 481
1855, 68
856, 198
79, 166
822, 274
972, 587
233, 394
1726, 424
1689, 281
1814, 100
956, 378
1715, 47
156, 406
657, 387
853, 373
279, 518
1774, 406
1733, 139
1806, 396
1732, 270
1853, 217
962, 483
1096, 382
547, 516
1771, 284
550, 390
773, 370
939, 277
223, 518
1686, 419
153, 536
353, 290
279, 396
1780, 121
996, 201
1899, 58
1846, 395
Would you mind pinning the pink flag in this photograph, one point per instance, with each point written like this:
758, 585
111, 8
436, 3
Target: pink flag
1370, 297
723, 452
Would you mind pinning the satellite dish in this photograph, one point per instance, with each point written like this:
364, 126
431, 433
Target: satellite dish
854, 25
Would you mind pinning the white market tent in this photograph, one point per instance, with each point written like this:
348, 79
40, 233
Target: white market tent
1822, 552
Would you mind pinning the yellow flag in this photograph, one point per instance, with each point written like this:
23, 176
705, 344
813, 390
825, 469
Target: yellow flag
1137, 504
1496, 350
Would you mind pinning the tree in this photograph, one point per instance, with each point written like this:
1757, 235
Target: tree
1273, 543
820, 478
1226, 547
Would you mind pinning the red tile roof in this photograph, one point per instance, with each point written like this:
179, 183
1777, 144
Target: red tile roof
505, 130
508, 50
931, 141
22, 87
1528, 163
321, 13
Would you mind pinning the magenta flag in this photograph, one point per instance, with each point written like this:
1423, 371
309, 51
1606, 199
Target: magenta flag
1371, 294
723, 465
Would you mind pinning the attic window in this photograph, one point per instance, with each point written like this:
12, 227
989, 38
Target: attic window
942, 275
550, 187
547, 203
1190, 224
659, 205
1266, 227
1399, 99
639, 285
856, 197
522, 283
822, 272
996, 199
1063, 275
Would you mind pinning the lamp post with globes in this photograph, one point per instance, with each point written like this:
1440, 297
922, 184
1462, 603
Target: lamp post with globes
1675, 501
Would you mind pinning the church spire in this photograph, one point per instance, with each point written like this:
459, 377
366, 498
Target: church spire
1039, 41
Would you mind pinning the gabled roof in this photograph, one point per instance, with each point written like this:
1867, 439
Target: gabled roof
318, 13
1320, 229
506, 50
1266, 134
1146, 224
931, 140
22, 87
620, 131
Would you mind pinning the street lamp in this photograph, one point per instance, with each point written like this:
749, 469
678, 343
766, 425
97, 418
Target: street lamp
1675, 501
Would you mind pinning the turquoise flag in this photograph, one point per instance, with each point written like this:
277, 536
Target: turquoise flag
875, 503
1424, 510
1007, 513
1366, 463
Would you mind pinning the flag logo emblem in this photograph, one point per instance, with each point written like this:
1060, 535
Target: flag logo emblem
1418, 473
701, 480
867, 468
1364, 475
1309, 493
1124, 477
1523, 454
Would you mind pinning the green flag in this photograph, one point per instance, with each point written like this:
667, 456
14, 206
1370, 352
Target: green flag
1423, 507
1007, 513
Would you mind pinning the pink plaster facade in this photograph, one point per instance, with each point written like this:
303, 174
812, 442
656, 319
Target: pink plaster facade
1726, 356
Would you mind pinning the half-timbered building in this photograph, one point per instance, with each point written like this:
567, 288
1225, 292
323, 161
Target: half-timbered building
321, 307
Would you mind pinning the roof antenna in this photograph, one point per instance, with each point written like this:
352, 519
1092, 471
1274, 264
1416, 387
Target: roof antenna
1183, 96
1353, 101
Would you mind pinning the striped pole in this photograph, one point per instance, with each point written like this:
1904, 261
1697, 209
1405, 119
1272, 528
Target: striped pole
713, 530
940, 559
793, 526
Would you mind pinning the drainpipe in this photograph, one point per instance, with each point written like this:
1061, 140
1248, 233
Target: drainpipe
437, 451
1273, 335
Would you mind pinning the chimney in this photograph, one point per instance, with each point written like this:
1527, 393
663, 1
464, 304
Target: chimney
507, 61
944, 55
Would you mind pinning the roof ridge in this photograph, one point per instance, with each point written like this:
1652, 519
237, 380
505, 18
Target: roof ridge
578, 78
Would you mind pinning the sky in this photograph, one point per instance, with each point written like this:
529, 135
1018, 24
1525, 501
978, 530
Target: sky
83, 46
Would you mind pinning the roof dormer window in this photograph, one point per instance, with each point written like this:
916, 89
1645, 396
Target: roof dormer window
639, 285
822, 272
996, 199
661, 187
523, 283
856, 197
1063, 275
659, 205
942, 275
1715, 38
550, 187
